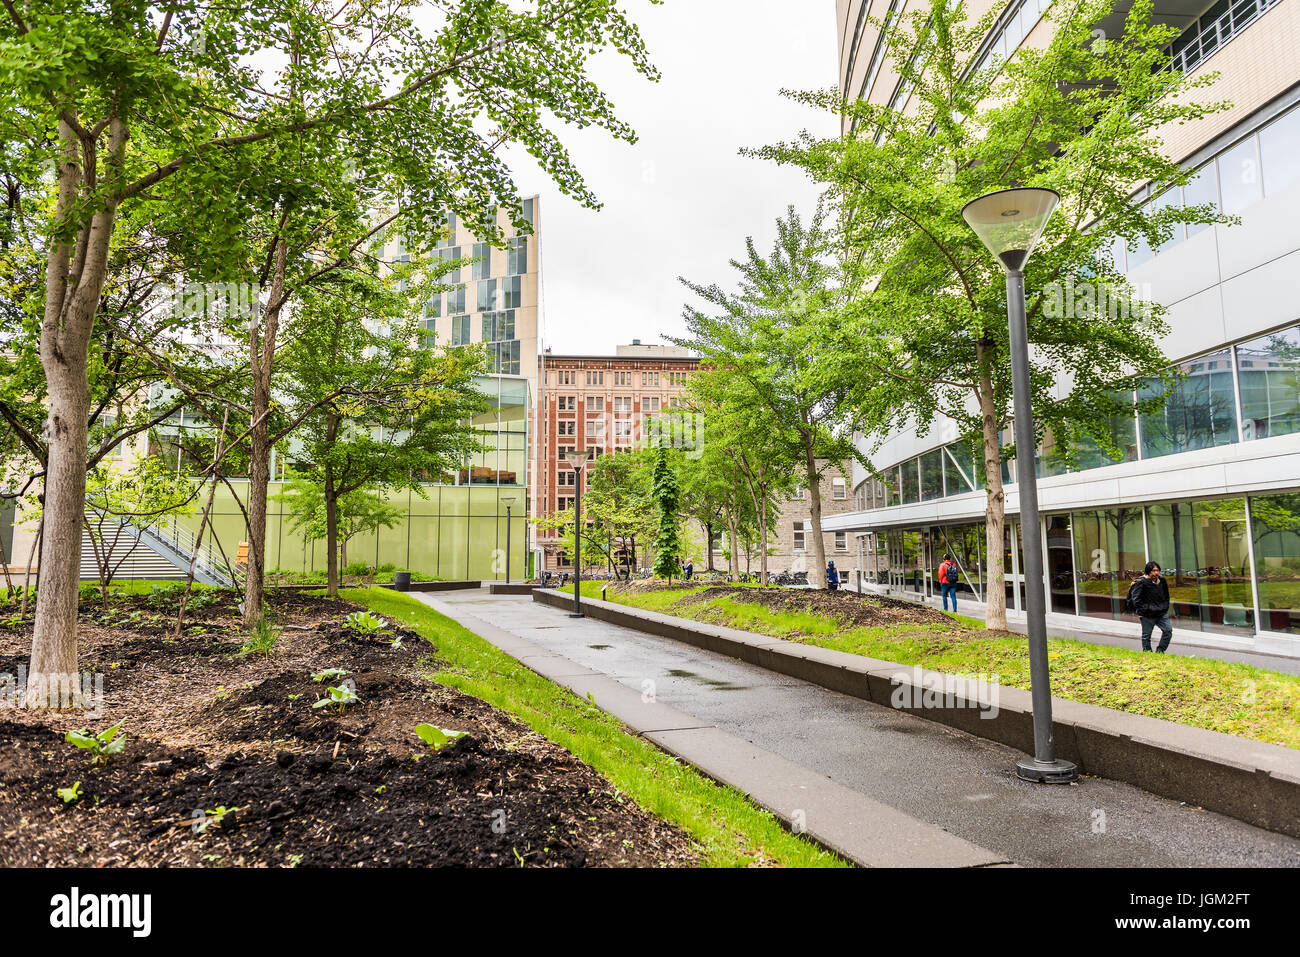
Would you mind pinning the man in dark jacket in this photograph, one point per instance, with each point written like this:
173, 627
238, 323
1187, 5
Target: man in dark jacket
1148, 598
832, 577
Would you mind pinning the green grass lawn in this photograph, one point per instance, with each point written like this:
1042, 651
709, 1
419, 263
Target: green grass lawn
1201, 692
732, 831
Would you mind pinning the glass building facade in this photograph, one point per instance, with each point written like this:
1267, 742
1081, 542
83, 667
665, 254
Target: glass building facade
1233, 564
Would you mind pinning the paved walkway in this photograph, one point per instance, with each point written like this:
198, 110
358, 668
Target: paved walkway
882, 786
1124, 634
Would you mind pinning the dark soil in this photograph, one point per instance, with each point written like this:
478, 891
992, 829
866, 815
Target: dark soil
849, 608
208, 729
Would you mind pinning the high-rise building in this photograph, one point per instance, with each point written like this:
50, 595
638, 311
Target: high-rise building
600, 403
1209, 486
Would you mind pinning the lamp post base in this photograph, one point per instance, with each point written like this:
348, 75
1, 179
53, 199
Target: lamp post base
576, 614
1046, 772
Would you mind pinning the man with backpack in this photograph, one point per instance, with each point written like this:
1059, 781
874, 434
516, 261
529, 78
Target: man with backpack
949, 575
1148, 598
832, 577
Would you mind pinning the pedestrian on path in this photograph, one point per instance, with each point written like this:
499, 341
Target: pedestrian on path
1148, 598
949, 575
832, 577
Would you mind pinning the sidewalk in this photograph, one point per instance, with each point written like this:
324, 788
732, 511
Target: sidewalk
1124, 634
882, 787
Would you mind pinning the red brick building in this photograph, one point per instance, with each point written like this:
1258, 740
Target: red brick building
599, 403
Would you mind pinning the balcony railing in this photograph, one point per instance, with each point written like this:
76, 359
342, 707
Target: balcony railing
1212, 35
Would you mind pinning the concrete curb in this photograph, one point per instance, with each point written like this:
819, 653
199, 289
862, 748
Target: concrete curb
844, 821
439, 586
514, 588
1249, 780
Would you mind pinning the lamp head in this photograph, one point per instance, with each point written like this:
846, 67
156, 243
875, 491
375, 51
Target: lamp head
507, 500
1011, 221
577, 458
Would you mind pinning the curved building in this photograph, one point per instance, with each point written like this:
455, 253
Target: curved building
1210, 486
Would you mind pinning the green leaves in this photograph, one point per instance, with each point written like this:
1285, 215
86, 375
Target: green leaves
338, 697
102, 746
437, 738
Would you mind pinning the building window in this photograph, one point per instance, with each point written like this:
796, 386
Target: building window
568, 428
595, 403
1199, 410
512, 293
433, 308
595, 378
452, 274
1268, 376
650, 403
517, 256
649, 380
622, 403
622, 378
456, 301
483, 261
567, 377
459, 330
841, 541
798, 537
1275, 524
567, 403
487, 296
839, 490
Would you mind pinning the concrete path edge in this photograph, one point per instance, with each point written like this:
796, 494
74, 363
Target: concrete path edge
835, 817
1248, 780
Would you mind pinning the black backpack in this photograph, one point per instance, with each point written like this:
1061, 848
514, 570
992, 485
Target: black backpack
950, 576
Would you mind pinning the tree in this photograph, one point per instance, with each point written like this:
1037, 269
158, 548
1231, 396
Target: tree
767, 336
668, 544
383, 408
738, 430
180, 85
926, 324
353, 513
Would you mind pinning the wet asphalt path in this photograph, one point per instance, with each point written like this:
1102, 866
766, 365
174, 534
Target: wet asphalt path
936, 774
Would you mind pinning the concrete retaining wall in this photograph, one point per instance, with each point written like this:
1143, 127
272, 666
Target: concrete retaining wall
1254, 782
441, 586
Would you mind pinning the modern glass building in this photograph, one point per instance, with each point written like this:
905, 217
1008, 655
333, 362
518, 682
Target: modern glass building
1209, 486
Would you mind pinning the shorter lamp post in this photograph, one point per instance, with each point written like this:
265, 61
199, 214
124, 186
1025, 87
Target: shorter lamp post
507, 501
577, 459
1010, 222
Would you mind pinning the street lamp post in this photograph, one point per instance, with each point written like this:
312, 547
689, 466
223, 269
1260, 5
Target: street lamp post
577, 458
1010, 222
507, 501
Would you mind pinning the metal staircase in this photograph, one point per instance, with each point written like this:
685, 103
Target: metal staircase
175, 544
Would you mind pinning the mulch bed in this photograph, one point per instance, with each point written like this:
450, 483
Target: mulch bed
208, 729
850, 608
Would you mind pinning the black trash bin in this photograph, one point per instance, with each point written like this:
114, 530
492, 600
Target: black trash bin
402, 581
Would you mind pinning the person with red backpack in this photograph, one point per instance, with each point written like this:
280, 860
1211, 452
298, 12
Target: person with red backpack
948, 578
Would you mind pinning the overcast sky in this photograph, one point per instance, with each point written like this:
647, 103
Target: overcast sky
682, 200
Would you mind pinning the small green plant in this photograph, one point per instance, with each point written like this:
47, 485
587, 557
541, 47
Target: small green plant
329, 674
340, 697
102, 746
437, 738
213, 818
396, 642
365, 624
261, 638
70, 794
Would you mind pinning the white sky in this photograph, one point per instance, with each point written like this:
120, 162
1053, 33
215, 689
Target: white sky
682, 200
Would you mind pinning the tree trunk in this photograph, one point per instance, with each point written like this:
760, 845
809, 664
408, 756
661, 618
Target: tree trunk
817, 577
708, 545
331, 540
995, 590
261, 362
733, 566
762, 543
72, 289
